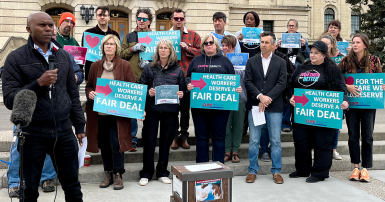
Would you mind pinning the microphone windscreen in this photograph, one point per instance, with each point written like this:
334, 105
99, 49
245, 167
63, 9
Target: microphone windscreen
51, 58
23, 107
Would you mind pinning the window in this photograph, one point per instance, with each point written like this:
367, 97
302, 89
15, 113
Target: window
329, 16
355, 23
268, 25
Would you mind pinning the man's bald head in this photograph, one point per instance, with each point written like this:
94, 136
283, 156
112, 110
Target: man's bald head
40, 25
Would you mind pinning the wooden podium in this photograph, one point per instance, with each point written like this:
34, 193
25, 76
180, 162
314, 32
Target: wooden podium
184, 182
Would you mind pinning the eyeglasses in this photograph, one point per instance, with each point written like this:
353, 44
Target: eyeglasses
102, 15
140, 19
291, 26
208, 43
163, 48
177, 19
109, 44
69, 22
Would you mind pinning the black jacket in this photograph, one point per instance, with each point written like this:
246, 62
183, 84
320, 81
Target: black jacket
272, 85
22, 68
334, 77
156, 76
217, 64
95, 30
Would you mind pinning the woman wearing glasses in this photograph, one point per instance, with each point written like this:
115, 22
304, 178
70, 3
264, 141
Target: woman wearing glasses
112, 134
210, 121
164, 70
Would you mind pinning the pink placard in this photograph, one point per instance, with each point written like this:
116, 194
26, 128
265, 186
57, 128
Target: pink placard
79, 53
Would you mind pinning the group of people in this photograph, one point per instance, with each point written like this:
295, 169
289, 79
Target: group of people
268, 81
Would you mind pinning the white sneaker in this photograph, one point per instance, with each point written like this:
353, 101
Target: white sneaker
336, 156
312, 154
143, 181
164, 180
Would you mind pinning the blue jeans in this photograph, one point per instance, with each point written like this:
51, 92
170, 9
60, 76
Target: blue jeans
335, 139
265, 140
134, 131
286, 115
13, 170
273, 122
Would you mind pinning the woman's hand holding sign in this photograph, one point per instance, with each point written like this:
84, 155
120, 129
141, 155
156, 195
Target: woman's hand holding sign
292, 102
92, 95
354, 90
180, 94
152, 92
239, 89
190, 87
344, 105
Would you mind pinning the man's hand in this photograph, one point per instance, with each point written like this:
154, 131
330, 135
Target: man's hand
184, 46
138, 47
80, 136
152, 92
266, 100
76, 77
48, 78
261, 107
239, 89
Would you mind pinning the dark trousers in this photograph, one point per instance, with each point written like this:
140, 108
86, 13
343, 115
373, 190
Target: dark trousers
321, 139
108, 142
184, 118
168, 125
364, 118
210, 121
36, 146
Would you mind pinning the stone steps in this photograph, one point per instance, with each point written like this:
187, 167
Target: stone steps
94, 173
190, 154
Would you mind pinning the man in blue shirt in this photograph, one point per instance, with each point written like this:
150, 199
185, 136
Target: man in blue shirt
219, 21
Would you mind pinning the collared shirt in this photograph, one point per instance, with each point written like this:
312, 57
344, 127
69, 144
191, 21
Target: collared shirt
47, 54
266, 62
193, 41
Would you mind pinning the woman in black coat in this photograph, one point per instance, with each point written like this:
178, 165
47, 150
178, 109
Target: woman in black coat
307, 137
164, 70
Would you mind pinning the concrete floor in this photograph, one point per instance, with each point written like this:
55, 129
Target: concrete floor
264, 189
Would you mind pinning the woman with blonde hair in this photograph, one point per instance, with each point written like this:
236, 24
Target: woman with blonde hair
331, 42
112, 134
164, 70
360, 121
210, 121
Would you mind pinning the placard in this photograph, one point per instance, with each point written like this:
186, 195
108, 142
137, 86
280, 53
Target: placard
79, 53
166, 94
120, 98
238, 59
92, 42
337, 59
150, 40
208, 190
291, 40
214, 91
251, 34
342, 46
372, 96
219, 37
318, 108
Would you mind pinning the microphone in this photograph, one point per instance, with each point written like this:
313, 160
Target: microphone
23, 108
51, 62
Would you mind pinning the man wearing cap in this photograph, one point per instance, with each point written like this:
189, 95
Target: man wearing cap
66, 24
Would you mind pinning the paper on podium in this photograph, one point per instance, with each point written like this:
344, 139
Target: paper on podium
82, 152
258, 117
203, 167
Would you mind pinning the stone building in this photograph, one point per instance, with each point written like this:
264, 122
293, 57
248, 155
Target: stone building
312, 16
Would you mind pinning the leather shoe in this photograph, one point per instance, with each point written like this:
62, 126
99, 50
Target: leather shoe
251, 178
278, 178
185, 144
174, 145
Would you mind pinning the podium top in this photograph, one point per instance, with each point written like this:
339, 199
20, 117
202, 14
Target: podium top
184, 174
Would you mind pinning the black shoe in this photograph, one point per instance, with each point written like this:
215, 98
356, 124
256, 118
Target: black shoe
48, 186
295, 174
312, 179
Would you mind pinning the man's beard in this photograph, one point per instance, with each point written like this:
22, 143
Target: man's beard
66, 31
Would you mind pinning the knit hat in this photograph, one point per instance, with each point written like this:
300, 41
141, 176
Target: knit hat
67, 16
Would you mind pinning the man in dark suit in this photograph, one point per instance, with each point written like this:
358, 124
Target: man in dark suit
265, 80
